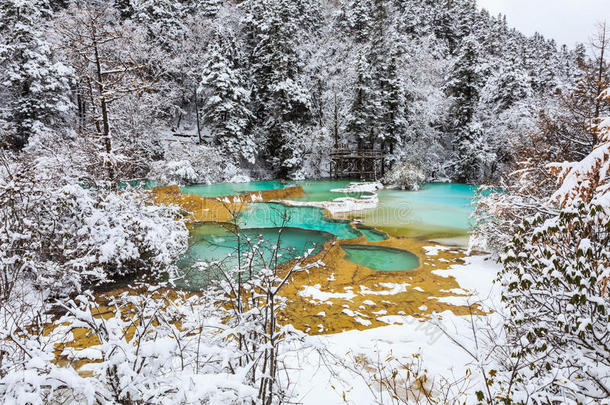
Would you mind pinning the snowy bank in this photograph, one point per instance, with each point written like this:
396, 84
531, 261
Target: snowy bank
322, 377
344, 204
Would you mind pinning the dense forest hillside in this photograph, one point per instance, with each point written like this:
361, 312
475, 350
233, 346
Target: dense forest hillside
172, 90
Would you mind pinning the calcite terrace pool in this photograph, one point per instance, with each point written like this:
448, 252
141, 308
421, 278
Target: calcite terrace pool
384, 251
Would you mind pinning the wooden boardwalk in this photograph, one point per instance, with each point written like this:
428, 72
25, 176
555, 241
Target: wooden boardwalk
348, 163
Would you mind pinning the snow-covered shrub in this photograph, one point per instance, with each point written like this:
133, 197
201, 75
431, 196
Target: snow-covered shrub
186, 360
174, 172
499, 211
29, 373
406, 177
306, 153
554, 286
247, 296
190, 163
63, 235
177, 353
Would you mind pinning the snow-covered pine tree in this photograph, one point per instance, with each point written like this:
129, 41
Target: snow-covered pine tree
567, 126
594, 76
453, 21
206, 8
364, 108
387, 91
464, 86
35, 89
225, 108
508, 85
162, 19
280, 102
358, 19
393, 108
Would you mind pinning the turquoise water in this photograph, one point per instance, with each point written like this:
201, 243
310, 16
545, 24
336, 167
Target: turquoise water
372, 235
218, 244
315, 190
320, 190
436, 211
226, 189
140, 183
381, 258
270, 215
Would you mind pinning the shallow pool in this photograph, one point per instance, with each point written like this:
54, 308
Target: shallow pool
381, 258
225, 249
372, 234
271, 215
321, 190
227, 189
436, 212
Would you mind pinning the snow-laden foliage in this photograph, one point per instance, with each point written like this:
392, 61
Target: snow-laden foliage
588, 179
28, 372
262, 80
34, 85
555, 288
150, 345
61, 236
157, 348
226, 103
246, 288
189, 163
406, 177
170, 348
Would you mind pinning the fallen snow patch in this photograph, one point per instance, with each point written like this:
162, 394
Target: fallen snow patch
435, 250
344, 204
315, 293
391, 289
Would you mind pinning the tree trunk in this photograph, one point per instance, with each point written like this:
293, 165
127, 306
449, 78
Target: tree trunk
103, 103
197, 117
603, 43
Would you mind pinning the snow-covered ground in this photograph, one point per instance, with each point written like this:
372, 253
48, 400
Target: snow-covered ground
320, 380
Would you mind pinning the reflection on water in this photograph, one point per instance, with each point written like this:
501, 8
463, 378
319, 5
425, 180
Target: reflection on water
437, 211
227, 189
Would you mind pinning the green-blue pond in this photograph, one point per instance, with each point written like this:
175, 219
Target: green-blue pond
216, 243
315, 190
436, 211
381, 258
140, 183
371, 234
320, 190
272, 215
226, 189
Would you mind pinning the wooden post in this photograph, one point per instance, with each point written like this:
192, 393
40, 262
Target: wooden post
361, 165
382, 159
336, 126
